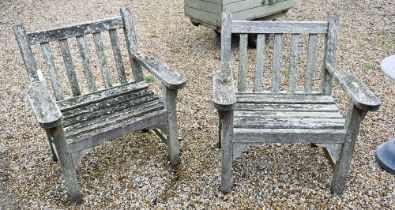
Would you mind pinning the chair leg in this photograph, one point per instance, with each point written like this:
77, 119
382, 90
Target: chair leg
66, 164
172, 129
219, 130
342, 166
50, 141
226, 150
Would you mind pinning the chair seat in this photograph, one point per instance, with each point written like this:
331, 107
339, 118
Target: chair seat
266, 118
110, 113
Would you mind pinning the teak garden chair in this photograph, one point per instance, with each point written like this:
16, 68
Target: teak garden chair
80, 121
281, 113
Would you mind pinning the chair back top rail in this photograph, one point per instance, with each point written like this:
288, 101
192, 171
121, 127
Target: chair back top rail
273, 27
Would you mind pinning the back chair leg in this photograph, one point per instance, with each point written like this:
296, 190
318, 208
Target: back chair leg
172, 129
50, 142
226, 150
355, 116
66, 164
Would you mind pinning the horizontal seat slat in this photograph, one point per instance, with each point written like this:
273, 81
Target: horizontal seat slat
287, 107
317, 136
286, 99
272, 114
110, 109
283, 27
113, 118
75, 30
83, 100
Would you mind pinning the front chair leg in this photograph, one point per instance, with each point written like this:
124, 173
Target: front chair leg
66, 163
50, 142
355, 116
226, 150
173, 144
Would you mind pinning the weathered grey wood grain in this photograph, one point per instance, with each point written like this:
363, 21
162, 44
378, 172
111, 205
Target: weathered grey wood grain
276, 63
260, 62
102, 60
330, 52
285, 99
170, 102
168, 77
243, 62
264, 27
287, 107
66, 163
117, 56
26, 52
226, 151
53, 74
293, 64
51, 145
44, 108
131, 43
75, 30
332, 152
311, 57
89, 77
68, 61
86, 99
355, 116
361, 95
243, 135
286, 114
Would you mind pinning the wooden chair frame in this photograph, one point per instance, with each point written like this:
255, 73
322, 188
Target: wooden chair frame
58, 117
337, 143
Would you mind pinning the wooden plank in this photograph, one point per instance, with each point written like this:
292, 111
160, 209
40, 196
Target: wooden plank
102, 60
258, 122
83, 100
204, 6
246, 5
131, 42
280, 93
168, 77
117, 56
260, 62
287, 107
292, 27
243, 62
361, 95
226, 151
261, 136
97, 137
75, 30
68, 61
276, 68
203, 16
262, 11
173, 145
53, 74
293, 64
330, 53
90, 79
332, 152
286, 99
287, 114
26, 52
311, 58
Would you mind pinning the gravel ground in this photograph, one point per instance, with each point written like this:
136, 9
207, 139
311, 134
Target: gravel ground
133, 171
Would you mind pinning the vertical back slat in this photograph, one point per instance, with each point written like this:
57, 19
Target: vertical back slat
64, 47
260, 62
310, 63
117, 56
276, 63
293, 63
26, 52
53, 75
102, 59
131, 43
243, 62
90, 80
333, 30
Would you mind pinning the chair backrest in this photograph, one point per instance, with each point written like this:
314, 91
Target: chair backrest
79, 32
296, 30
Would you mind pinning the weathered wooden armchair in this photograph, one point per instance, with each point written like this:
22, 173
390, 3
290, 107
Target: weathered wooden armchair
281, 113
76, 123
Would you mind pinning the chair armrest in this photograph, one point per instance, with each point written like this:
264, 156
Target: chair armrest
168, 77
224, 96
44, 107
362, 97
